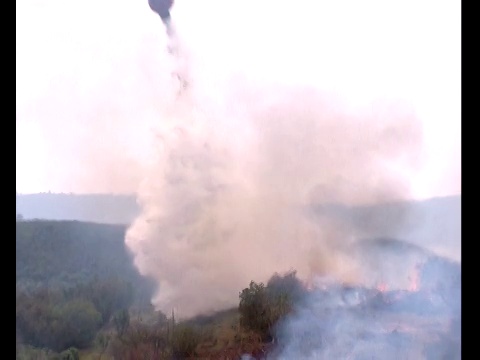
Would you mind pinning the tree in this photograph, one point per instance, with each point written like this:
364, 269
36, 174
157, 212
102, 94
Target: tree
70, 354
185, 340
45, 321
78, 322
261, 307
121, 321
102, 341
253, 308
109, 296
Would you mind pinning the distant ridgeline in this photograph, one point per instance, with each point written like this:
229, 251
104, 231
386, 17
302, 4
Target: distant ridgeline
122, 209
432, 223
99, 208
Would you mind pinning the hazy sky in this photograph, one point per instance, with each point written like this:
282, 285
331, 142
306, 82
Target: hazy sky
92, 76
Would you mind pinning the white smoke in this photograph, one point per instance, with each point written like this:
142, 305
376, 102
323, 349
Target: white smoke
227, 200
241, 157
340, 322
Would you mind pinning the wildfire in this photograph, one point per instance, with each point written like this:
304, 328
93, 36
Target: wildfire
413, 282
309, 286
382, 287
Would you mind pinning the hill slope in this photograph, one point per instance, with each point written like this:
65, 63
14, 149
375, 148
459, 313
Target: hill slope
67, 253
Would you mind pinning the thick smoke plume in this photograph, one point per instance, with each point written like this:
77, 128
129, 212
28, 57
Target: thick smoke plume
241, 167
229, 198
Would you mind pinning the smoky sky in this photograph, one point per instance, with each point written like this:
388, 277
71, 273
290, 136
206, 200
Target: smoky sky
97, 92
277, 117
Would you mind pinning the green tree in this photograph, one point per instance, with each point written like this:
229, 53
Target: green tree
121, 321
103, 340
185, 340
109, 296
45, 321
70, 354
261, 307
77, 324
253, 308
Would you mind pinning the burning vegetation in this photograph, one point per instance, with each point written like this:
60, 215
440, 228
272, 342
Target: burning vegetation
357, 322
283, 318
287, 318
220, 208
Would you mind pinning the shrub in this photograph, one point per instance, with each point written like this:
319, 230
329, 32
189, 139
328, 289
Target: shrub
70, 354
261, 307
185, 340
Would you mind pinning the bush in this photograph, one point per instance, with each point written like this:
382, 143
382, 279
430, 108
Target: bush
121, 321
141, 341
57, 326
28, 353
78, 324
253, 308
108, 296
70, 354
185, 340
261, 307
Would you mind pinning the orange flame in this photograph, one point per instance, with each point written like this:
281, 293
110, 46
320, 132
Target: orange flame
382, 287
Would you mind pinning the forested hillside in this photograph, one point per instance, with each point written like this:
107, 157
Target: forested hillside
66, 253
79, 295
72, 278
427, 223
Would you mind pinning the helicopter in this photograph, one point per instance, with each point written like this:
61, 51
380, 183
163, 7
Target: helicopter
162, 8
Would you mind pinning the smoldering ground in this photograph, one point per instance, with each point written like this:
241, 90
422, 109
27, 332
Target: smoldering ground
342, 322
